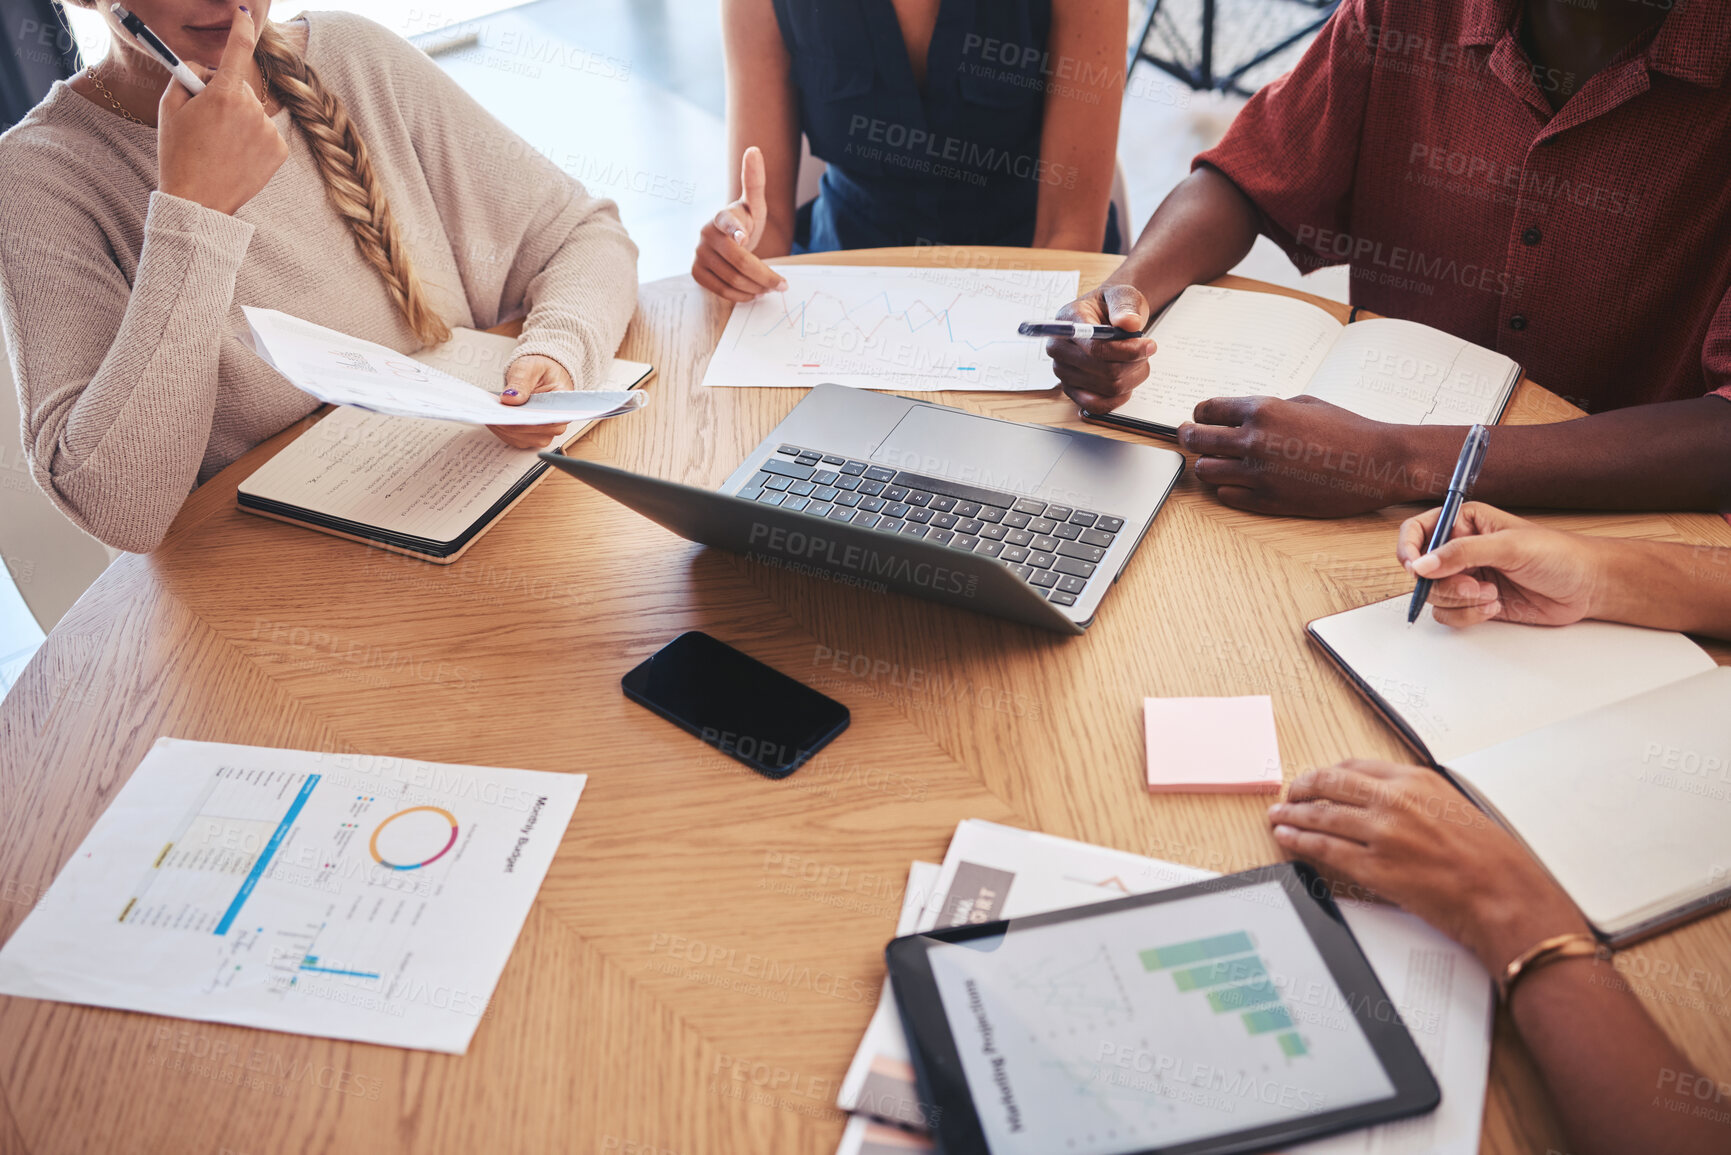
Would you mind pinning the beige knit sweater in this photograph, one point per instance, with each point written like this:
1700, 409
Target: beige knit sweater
121, 305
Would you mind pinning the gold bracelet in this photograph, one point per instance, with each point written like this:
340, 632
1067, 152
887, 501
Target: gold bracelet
1550, 950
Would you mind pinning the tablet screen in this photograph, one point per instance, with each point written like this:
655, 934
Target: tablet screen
1153, 1026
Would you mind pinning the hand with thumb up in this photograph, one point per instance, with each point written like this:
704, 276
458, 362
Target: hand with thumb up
724, 263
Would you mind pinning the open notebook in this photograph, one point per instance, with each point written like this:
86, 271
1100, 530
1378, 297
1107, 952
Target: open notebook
1215, 342
1605, 748
412, 485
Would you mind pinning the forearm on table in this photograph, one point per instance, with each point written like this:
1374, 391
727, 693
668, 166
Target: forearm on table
1204, 227
1663, 585
1670, 455
1618, 1082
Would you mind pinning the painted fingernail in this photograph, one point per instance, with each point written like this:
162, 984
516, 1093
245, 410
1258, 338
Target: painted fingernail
245, 9
510, 392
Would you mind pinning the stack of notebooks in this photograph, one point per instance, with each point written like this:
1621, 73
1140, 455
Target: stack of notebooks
412, 485
993, 872
1605, 748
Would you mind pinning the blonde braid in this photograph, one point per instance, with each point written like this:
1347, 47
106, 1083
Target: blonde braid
350, 182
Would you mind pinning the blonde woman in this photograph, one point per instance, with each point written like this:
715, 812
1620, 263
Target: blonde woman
329, 170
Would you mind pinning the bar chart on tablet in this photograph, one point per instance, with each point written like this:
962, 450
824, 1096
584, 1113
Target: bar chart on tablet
1227, 971
1154, 1026
893, 328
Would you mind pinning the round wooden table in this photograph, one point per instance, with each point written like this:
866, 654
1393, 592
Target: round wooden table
699, 920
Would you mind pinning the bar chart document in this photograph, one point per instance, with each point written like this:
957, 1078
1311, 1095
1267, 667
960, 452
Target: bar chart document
351, 896
907, 329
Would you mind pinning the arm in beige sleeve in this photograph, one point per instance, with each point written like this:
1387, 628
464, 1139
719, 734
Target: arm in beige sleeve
529, 240
117, 383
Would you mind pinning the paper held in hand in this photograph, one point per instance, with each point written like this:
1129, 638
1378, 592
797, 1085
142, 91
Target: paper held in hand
344, 370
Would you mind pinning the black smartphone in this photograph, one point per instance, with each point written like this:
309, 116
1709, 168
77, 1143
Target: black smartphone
745, 709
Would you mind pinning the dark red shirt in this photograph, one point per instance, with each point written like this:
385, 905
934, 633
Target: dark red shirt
1591, 244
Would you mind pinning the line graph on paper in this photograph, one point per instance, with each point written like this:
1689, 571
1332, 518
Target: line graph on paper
893, 328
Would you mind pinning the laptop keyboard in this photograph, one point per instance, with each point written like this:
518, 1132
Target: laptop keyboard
1054, 548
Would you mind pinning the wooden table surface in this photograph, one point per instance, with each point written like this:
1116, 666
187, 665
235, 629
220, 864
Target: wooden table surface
705, 951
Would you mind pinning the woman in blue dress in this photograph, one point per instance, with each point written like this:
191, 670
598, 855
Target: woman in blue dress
957, 122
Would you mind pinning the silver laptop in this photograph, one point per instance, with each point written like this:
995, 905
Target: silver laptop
892, 493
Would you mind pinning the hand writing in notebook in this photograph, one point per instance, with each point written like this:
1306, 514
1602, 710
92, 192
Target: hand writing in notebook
1302, 456
1501, 567
524, 377
1099, 375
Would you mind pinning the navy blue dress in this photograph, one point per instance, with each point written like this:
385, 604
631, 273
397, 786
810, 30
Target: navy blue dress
958, 165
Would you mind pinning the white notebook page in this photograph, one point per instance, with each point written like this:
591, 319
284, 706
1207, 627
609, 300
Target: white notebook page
409, 475
1626, 807
1411, 374
1215, 342
1464, 690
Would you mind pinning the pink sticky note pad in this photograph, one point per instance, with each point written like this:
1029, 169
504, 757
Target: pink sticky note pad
1212, 745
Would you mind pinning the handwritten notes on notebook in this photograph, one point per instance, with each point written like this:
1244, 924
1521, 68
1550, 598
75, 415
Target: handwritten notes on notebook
406, 476
1215, 342
1212, 745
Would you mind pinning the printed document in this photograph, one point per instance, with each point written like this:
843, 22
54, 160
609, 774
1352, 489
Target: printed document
354, 897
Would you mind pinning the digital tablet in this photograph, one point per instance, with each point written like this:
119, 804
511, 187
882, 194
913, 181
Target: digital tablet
1228, 1016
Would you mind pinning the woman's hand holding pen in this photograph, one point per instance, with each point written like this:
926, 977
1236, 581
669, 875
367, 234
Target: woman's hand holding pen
1501, 567
1099, 375
526, 376
724, 263
218, 148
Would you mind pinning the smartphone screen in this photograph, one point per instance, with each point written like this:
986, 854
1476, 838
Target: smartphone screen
745, 709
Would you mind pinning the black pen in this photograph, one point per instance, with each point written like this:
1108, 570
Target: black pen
1466, 472
1075, 330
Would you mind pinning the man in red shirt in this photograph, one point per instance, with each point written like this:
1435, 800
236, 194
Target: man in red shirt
1548, 179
